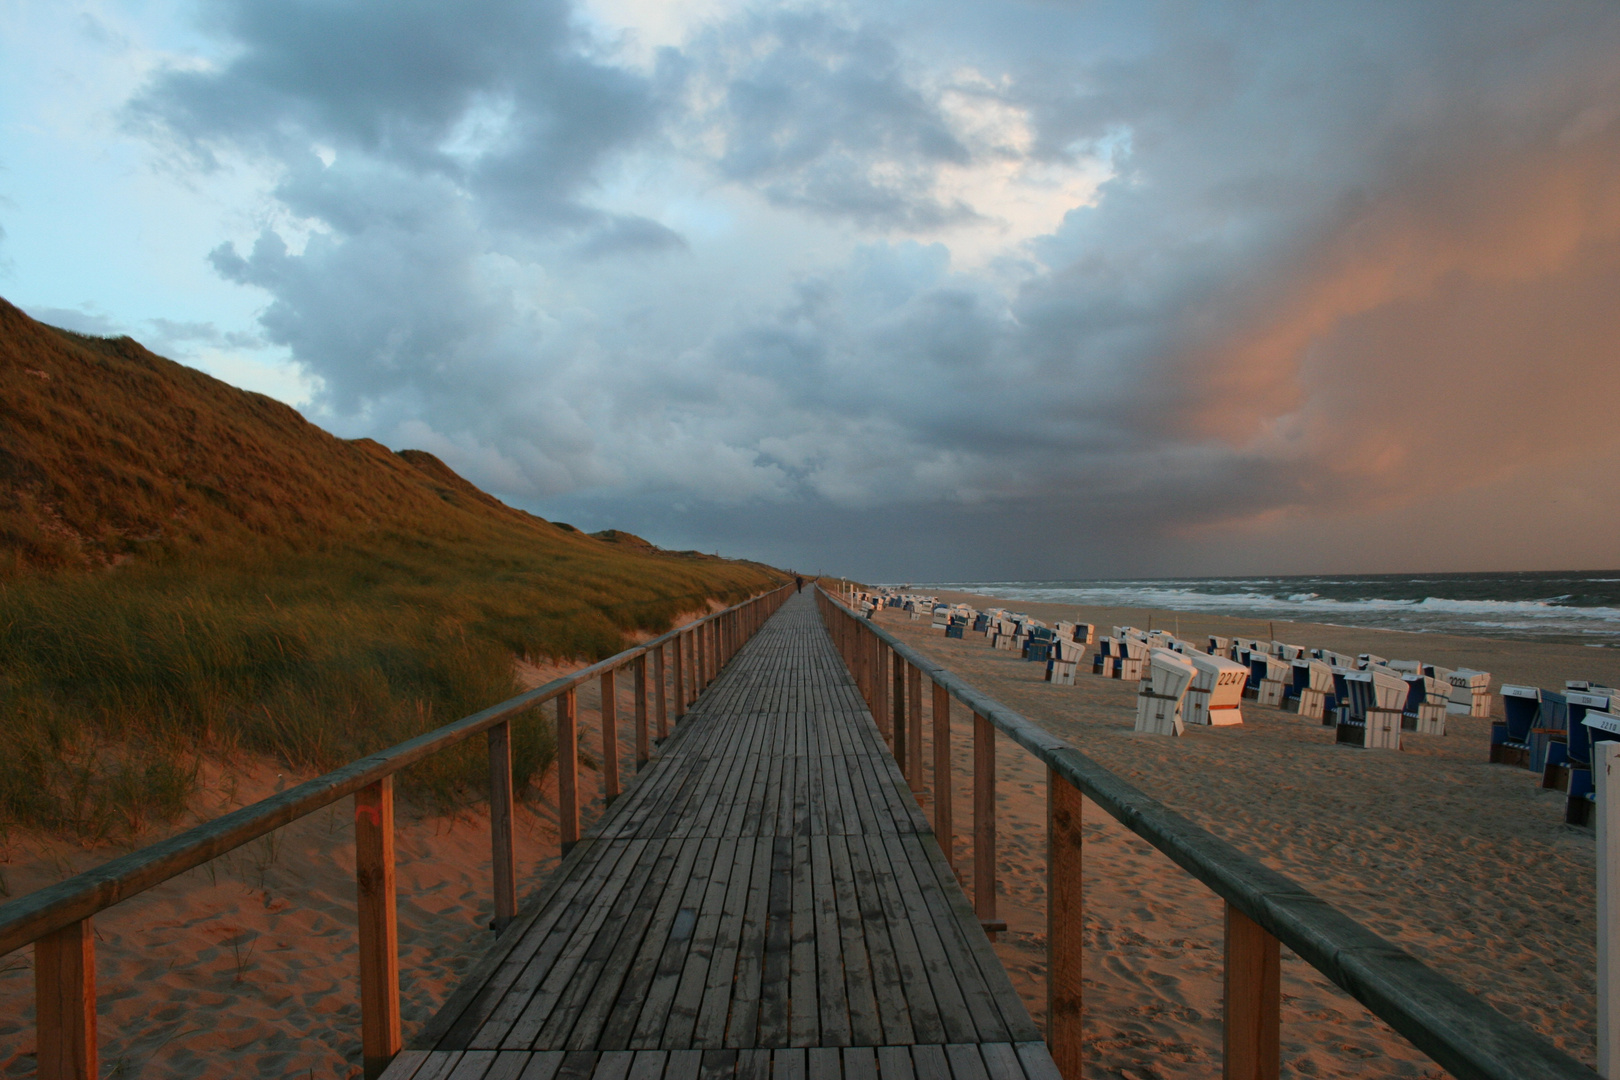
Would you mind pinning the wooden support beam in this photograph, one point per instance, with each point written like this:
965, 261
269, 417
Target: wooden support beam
914, 740
984, 821
700, 666
379, 929
567, 771
943, 825
610, 734
880, 687
503, 851
65, 1003
1253, 1001
678, 656
1063, 921
897, 709
643, 743
661, 707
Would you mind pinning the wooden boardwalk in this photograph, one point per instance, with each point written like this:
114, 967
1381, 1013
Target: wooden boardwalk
766, 901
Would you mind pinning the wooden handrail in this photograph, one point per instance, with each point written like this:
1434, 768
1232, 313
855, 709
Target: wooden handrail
1464, 1034
57, 919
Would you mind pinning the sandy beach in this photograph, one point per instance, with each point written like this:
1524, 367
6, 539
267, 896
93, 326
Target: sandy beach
1465, 864
248, 965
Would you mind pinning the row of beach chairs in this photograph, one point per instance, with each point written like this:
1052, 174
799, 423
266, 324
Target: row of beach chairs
1369, 700
1553, 733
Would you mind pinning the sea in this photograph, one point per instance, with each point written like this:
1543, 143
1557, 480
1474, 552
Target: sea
1570, 607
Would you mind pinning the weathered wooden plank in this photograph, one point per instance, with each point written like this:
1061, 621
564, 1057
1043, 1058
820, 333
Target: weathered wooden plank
633, 963
1001, 1061
508, 1065
65, 1003
966, 1062
944, 826
544, 1065
709, 1026
824, 1063
643, 736
930, 1063
503, 853
474, 1064
1251, 1028
865, 1026
860, 1063
805, 1016
984, 820
561, 984
567, 770
613, 1065
1037, 1061
378, 919
1064, 856
894, 1063
899, 982
788, 1064
405, 1065
742, 1024
562, 933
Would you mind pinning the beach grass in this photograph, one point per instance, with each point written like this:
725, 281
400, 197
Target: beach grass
189, 570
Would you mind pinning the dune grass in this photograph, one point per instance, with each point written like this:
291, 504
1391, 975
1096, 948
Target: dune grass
113, 685
188, 569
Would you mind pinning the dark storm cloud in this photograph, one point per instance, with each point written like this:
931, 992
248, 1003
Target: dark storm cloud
820, 113
1337, 251
495, 95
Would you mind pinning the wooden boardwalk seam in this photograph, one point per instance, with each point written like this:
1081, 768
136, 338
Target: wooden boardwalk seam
766, 900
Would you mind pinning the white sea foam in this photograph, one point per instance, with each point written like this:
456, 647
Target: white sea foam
1551, 616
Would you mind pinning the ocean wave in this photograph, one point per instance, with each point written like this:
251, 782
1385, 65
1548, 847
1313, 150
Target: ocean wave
1533, 617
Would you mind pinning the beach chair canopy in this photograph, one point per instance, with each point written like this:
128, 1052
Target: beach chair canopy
1169, 673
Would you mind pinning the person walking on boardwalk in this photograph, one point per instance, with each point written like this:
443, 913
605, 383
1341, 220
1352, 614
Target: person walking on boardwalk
799, 578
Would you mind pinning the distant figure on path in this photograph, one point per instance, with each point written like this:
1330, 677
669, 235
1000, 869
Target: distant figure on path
800, 580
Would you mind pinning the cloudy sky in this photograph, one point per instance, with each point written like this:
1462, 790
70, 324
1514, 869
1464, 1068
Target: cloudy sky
927, 291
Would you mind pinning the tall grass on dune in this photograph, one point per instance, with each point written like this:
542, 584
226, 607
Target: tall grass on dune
188, 569
112, 685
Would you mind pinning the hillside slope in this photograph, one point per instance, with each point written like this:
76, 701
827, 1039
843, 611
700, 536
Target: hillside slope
108, 450
187, 568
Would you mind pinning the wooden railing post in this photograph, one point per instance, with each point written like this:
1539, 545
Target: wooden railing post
897, 711
661, 707
880, 687
643, 744
700, 666
914, 755
1253, 1001
503, 853
65, 1003
610, 734
379, 932
943, 825
984, 822
567, 771
678, 658
1063, 922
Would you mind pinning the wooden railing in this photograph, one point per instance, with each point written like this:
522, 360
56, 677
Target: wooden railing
57, 919
1264, 909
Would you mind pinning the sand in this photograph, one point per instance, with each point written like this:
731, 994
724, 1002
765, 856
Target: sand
248, 966
1465, 864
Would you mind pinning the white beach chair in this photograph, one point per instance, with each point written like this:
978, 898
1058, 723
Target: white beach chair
1470, 692
1215, 697
1158, 702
